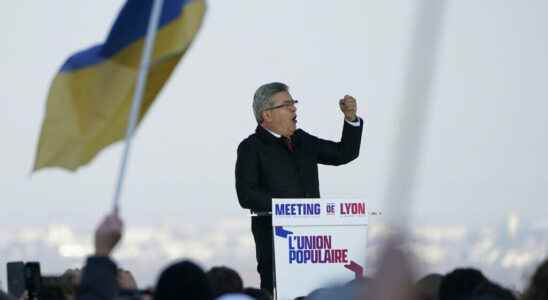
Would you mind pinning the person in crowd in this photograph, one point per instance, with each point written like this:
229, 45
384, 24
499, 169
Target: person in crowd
258, 294
281, 161
126, 280
537, 288
99, 277
181, 280
428, 286
460, 283
72, 277
6, 296
234, 297
224, 280
128, 286
491, 291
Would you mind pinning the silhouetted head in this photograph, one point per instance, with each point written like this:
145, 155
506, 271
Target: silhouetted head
460, 284
538, 284
428, 286
224, 280
183, 280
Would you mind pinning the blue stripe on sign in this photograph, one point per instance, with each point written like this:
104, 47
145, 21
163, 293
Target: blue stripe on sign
130, 26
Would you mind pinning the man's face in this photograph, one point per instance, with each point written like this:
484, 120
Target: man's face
283, 119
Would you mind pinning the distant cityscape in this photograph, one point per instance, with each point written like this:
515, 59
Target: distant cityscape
507, 252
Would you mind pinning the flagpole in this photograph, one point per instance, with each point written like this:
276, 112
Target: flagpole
154, 20
414, 110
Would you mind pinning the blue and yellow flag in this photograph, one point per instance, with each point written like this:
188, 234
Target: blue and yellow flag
90, 98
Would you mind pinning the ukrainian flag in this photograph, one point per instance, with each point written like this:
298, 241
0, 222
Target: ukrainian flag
90, 98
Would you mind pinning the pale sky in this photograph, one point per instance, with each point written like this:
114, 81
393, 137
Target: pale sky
485, 145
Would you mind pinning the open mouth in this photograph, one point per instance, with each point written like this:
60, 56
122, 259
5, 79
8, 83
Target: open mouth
295, 119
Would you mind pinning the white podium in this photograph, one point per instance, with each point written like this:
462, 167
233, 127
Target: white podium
317, 243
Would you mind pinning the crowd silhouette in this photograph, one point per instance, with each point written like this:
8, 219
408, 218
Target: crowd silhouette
101, 279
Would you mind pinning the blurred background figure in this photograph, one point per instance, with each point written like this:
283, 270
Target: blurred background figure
183, 280
257, 293
460, 283
224, 280
428, 286
538, 284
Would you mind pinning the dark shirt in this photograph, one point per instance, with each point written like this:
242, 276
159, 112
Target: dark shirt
98, 280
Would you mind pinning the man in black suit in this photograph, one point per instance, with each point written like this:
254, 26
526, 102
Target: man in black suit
280, 161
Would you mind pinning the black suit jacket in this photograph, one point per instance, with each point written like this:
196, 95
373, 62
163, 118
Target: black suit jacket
266, 169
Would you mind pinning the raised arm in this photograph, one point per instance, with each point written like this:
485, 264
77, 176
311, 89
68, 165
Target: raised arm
99, 280
348, 149
345, 151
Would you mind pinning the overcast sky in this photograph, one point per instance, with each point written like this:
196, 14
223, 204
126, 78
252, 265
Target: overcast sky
486, 140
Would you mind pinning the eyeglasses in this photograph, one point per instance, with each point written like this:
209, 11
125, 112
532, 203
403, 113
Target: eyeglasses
286, 103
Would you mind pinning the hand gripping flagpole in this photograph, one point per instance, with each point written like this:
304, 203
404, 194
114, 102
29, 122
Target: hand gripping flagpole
154, 20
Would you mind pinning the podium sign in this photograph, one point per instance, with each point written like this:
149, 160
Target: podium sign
317, 243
